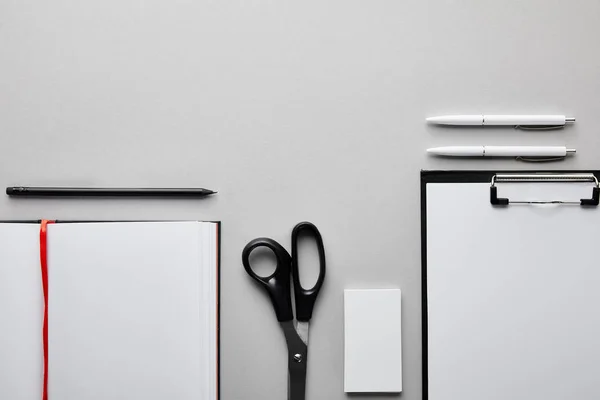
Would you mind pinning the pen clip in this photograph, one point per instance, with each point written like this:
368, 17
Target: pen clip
538, 159
538, 127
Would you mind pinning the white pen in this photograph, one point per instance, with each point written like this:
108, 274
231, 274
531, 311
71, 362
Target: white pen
516, 120
501, 151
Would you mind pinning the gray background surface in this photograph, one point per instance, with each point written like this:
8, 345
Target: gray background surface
292, 110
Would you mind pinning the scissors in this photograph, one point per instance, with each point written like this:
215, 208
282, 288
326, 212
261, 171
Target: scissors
278, 288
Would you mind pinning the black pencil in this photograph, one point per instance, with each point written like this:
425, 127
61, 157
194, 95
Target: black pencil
21, 191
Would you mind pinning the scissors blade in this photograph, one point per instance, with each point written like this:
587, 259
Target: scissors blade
297, 361
302, 329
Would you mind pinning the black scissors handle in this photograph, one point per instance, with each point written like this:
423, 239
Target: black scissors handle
305, 298
277, 284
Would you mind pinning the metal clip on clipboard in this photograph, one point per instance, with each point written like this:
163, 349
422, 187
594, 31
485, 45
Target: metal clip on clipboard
521, 178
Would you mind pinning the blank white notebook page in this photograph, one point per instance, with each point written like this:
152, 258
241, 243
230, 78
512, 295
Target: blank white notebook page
373, 341
21, 312
513, 293
132, 311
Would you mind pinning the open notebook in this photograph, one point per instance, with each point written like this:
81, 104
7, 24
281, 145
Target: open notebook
132, 311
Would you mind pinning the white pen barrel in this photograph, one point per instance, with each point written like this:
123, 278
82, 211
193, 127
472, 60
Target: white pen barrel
524, 120
525, 151
457, 120
457, 151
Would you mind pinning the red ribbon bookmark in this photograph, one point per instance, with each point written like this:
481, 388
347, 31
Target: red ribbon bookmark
44, 264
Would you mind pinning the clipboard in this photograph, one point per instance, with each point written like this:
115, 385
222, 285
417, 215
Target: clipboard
510, 284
